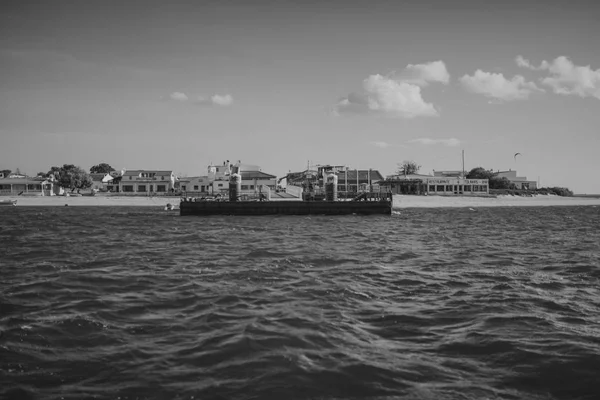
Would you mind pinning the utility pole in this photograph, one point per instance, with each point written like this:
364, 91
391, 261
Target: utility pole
463, 163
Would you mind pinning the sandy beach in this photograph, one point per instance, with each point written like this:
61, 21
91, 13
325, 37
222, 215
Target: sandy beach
115, 201
400, 201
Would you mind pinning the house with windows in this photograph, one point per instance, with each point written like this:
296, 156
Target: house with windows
14, 185
147, 182
435, 185
198, 184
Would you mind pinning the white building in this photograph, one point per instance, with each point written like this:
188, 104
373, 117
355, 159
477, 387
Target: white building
147, 181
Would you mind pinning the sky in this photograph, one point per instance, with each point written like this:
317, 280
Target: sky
178, 85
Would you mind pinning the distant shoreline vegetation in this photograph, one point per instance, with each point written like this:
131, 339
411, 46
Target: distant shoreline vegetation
558, 191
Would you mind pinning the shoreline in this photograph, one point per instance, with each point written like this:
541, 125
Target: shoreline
400, 201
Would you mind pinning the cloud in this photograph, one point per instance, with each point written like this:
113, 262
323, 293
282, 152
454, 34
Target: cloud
222, 100
422, 74
564, 77
496, 86
570, 79
524, 63
382, 145
214, 100
452, 142
386, 96
178, 96
396, 96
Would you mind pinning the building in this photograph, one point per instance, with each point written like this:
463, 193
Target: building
147, 182
200, 184
100, 181
350, 182
520, 182
358, 180
252, 178
448, 174
21, 185
217, 180
435, 185
457, 186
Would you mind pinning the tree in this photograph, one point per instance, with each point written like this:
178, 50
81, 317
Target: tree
5, 172
71, 177
42, 174
495, 182
408, 168
102, 168
480, 173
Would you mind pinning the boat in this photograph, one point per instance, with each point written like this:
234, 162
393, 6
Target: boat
8, 202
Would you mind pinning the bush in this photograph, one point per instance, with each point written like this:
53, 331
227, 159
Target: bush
558, 191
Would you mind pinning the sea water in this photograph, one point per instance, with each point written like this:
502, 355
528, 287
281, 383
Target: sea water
140, 303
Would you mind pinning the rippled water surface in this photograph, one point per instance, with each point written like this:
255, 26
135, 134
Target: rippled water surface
129, 303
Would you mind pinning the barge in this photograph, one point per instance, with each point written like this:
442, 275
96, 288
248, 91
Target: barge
368, 205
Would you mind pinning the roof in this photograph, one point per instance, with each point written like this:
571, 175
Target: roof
256, 175
137, 172
97, 177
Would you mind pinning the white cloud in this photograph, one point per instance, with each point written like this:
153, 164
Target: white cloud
496, 86
396, 96
383, 145
564, 77
524, 63
452, 142
422, 74
570, 79
222, 100
178, 96
387, 97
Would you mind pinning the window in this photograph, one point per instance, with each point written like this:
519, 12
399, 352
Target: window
162, 178
141, 188
202, 188
476, 188
244, 187
161, 188
130, 178
220, 185
484, 188
467, 188
183, 187
448, 188
440, 188
432, 188
251, 187
128, 188
196, 187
